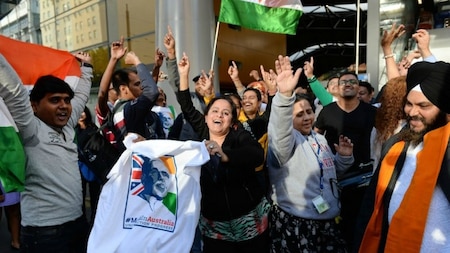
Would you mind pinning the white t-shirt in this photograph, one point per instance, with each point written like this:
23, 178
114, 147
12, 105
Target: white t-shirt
130, 217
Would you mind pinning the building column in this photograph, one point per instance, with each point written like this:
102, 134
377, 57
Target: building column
193, 25
373, 43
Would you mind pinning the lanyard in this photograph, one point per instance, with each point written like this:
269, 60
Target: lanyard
318, 160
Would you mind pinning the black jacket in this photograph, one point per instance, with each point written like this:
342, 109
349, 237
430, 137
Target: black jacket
229, 190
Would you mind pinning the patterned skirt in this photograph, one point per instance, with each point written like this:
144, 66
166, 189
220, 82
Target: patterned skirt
290, 233
240, 229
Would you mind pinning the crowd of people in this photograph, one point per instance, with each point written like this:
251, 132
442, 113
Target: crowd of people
323, 169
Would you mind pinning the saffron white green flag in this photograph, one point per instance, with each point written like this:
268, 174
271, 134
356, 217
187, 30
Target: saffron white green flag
276, 16
12, 156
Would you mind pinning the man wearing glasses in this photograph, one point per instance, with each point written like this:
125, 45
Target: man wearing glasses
354, 119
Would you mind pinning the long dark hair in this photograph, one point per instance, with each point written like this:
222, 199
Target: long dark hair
234, 115
88, 121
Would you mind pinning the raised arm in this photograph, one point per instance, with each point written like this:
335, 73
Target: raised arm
422, 38
280, 129
117, 52
406, 62
233, 72
319, 91
159, 58
386, 44
171, 60
194, 117
15, 96
183, 70
254, 73
286, 78
82, 89
207, 85
270, 81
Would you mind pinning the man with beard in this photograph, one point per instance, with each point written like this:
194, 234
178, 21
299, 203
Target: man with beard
406, 208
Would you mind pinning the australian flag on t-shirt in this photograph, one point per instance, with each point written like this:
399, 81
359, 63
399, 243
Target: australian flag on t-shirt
152, 194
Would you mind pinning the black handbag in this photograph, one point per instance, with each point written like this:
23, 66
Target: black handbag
356, 179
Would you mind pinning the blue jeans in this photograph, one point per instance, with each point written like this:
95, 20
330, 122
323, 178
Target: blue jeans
68, 237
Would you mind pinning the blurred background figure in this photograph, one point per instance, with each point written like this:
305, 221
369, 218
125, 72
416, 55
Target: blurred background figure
11, 203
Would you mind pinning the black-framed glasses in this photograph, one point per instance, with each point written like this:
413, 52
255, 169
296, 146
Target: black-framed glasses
350, 81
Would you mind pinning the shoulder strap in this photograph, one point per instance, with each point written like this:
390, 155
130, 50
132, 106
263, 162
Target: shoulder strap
444, 174
390, 188
388, 145
110, 120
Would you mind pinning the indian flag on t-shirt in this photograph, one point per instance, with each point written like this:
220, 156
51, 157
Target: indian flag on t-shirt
155, 182
276, 16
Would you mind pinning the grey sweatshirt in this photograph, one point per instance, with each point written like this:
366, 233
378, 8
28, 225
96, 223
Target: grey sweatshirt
293, 162
53, 193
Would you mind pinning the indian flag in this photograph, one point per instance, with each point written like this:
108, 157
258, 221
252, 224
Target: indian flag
276, 16
30, 61
12, 156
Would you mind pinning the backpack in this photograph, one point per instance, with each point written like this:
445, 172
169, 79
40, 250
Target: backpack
153, 126
97, 152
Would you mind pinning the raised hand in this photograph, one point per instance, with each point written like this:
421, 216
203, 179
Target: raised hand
233, 71
254, 73
159, 57
389, 36
345, 147
206, 82
83, 57
270, 80
117, 49
422, 38
286, 79
308, 67
169, 43
132, 58
183, 71
183, 65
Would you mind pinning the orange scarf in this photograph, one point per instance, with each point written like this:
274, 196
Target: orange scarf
408, 223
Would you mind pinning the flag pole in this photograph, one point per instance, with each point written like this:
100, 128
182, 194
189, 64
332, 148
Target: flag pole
215, 45
357, 37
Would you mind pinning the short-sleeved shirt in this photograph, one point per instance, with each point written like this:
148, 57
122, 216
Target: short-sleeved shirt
356, 125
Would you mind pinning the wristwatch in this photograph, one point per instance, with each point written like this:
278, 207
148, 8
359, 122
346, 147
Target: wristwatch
85, 64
